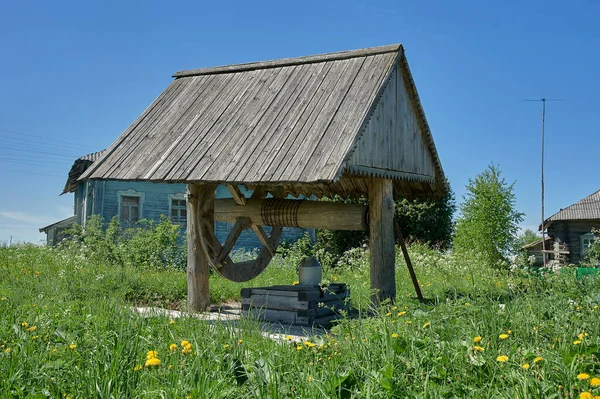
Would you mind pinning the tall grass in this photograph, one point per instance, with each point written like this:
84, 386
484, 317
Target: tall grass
88, 344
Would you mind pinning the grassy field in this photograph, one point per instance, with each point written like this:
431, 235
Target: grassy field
66, 331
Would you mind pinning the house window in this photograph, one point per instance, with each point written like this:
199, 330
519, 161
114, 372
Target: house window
177, 208
586, 242
130, 206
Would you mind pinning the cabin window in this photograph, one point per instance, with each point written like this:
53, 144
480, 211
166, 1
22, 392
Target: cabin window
130, 206
586, 242
177, 208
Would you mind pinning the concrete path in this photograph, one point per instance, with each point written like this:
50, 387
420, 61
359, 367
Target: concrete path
230, 315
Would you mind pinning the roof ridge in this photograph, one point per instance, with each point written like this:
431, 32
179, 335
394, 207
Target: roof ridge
341, 55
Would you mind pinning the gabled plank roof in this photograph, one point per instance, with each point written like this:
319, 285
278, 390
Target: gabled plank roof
587, 208
276, 122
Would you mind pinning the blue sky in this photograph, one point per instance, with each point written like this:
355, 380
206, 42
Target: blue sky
74, 75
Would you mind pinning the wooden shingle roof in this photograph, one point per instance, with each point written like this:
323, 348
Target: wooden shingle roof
289, 121
587, 208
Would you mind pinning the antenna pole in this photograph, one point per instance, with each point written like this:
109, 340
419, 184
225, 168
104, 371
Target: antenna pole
543, 227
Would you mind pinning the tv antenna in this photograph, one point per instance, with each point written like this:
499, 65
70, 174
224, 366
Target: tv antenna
543, 100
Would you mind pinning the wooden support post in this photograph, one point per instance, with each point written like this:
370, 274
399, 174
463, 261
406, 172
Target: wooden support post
381, 240
411, 270
200, 205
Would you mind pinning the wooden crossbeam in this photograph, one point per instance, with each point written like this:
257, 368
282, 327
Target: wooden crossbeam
237, 195
263, 238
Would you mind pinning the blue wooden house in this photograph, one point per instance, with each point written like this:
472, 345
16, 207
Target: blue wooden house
134, 201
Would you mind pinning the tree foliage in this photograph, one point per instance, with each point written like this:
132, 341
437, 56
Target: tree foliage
526, 237
488, 221
424, 220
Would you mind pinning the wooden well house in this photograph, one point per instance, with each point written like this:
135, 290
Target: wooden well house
347, 123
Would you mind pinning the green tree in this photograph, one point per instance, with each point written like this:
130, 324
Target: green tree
428, 220
488, 221
526, 237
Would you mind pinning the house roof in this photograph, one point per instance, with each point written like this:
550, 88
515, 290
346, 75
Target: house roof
79, 166
587, 208
535, 243
292, 120
71, 220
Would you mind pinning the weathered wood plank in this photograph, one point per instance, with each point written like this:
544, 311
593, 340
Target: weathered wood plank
381, 240
199, 205
311, 137
237, 195
291, 61
240, 224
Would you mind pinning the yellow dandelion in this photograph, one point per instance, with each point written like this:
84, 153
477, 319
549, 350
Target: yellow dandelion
225, 346
585, 395
394, 307
583, 376
138, 367
25, 324
525, 366
577, 342
173, 347
388, 314
240, 341
538, 359
296, 282
400, 314
171, 321
478, 348
426, 325
4, 298
309, 344
509, 331
299, 347
310, 379
152, 362
394, 335
502, 358
32, 328
185, 343
503, 336
151, 354
72, 347
288, 337
580, 336
477, 339
595, 382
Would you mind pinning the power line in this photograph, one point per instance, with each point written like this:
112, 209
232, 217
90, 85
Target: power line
41, 137
71, 151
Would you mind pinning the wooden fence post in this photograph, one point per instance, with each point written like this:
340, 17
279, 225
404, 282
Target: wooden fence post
381, 240
200, 205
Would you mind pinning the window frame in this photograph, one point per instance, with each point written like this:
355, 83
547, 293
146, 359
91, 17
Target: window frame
585, 237
178, 197
130, 193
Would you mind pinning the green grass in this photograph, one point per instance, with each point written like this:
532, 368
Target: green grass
427, 352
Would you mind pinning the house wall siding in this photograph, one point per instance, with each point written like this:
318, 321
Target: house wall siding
570, 231
156, 203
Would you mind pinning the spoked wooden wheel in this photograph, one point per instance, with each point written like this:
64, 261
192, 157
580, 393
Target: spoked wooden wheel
218, 255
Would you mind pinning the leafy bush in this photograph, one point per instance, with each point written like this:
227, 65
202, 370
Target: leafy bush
149, 244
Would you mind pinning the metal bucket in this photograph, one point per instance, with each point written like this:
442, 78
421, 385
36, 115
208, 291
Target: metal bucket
310, 271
